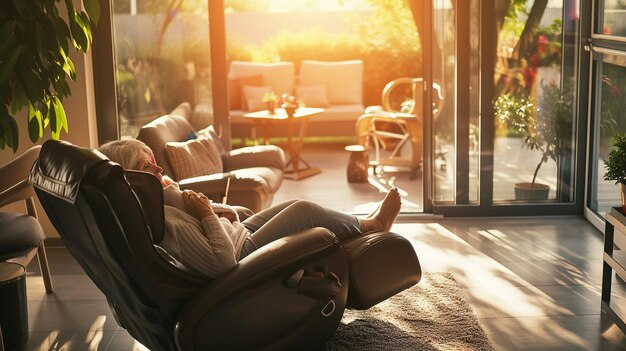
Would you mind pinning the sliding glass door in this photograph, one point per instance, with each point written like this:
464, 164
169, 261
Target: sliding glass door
511, 130
608, 88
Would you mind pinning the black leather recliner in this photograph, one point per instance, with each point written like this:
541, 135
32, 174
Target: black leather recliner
288, 294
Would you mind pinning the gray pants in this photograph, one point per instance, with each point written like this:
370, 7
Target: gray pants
293, 216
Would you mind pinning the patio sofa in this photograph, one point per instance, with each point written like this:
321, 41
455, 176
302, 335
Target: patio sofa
336, 86
198, 161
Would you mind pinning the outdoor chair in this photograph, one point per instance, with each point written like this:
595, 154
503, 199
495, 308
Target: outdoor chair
397, 121
21, 235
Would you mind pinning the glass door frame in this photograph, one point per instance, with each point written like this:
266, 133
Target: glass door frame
596, 45
486, 205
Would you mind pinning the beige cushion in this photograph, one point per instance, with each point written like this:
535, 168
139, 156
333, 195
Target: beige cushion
253, 97
343, 79
235, 85
312, 95
210, 133
280, 76
193, 158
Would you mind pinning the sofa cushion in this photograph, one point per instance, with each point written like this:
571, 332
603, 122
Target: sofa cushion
253, 97
280, 76
209, 132
312, 95
193, 158
235, 85
343, 79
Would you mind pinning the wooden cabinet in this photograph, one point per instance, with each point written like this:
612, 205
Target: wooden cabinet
614, 260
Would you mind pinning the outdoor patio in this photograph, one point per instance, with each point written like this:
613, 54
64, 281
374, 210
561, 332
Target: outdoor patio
512, 164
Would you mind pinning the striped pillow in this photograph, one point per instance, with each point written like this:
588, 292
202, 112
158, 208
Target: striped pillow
193, 158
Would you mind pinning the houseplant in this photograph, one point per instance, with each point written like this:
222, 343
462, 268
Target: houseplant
615, 164
35, 63
270, 99
543, 122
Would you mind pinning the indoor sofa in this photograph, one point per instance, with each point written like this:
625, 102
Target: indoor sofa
198, 161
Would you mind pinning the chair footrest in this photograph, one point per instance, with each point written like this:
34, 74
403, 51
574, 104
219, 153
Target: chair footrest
381, 265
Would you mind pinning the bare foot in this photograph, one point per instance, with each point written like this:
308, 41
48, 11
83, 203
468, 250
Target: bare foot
382, 218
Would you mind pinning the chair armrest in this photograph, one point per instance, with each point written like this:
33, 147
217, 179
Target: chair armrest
18, 169
256, 267
20, 191
255, 156
216, 183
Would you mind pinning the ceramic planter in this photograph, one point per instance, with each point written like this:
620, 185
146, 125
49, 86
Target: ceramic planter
531, 191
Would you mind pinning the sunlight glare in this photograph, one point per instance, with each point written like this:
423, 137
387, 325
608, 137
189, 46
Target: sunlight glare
319, 5
50, 342
491, 233
94, 336
137, 346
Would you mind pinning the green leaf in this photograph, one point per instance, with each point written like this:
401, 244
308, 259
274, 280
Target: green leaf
35, 124
62, 33
86, 26
32, 85
78, 34
7, 33
93, 10
9, 127
18, 97
20, 6
60, 114
52, 118
7, 66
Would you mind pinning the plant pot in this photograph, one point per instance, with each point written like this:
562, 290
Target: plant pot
271, 107
531, 191
290, 111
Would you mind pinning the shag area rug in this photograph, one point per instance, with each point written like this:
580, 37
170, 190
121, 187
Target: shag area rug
431, 315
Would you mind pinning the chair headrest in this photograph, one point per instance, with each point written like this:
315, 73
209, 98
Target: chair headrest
60, 169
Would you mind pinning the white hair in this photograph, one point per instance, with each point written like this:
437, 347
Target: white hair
127, 152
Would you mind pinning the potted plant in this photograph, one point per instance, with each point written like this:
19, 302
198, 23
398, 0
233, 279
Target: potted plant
289, 103
615, 164
35, 63
543, 122
270, 99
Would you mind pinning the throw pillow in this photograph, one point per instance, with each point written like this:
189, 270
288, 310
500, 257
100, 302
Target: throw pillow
210, 133
254, 97
192, 158
312, 95
234, 89
343, 79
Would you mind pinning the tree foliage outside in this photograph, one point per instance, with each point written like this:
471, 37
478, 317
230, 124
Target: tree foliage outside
35, 63
386, 40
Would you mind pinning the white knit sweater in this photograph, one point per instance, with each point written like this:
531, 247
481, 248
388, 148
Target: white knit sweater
208, 247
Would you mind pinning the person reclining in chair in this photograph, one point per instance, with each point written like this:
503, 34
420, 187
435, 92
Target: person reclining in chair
208, 237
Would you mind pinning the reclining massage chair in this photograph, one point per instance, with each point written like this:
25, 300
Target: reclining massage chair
289, 294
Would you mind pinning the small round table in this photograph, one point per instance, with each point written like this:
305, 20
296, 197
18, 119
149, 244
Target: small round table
14, 317
357, 164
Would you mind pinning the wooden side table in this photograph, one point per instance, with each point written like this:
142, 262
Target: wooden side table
297, 167
614, 260
358, 163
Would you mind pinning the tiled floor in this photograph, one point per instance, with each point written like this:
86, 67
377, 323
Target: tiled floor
534, 283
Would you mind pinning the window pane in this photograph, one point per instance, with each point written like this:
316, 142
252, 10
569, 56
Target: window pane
610, 86
444, 65
162, 58
614, 18
533, 105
